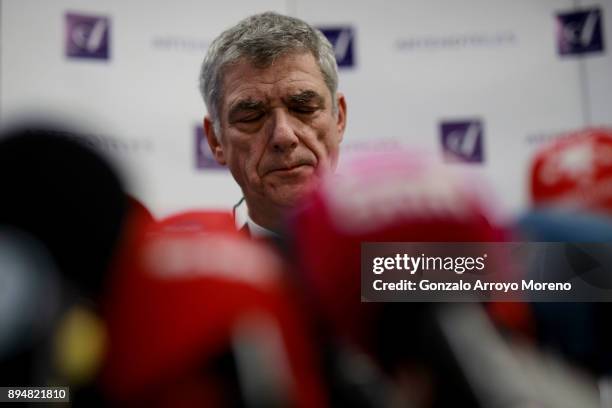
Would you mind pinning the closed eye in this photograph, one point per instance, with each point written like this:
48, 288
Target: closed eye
306, 102
304, 109
251, 118
246, 111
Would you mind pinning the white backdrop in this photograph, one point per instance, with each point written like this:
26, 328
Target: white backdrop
491, 66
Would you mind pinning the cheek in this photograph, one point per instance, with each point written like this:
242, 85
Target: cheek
246, 155
327, 143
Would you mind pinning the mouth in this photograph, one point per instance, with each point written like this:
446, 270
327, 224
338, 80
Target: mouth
289, 164
291, 170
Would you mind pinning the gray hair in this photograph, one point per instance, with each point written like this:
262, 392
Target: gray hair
261, 39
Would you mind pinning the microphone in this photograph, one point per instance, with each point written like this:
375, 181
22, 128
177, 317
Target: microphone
199, 314
385, 197
62, 214
572, 198
579, 331
574, 172
66, 195
382, 197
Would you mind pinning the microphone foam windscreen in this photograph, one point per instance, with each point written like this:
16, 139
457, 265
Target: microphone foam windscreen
381, 197
575, 171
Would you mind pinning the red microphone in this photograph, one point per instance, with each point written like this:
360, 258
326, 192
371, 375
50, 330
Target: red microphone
380, 197
192, 292
575, 171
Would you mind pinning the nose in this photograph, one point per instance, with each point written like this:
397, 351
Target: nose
283, 137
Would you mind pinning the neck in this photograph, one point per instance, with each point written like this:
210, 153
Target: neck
268, 218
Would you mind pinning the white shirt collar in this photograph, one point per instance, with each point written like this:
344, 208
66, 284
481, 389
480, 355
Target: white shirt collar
242, 217
259, 231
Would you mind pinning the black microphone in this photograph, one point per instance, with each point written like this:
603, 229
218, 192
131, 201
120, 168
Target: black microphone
60, 190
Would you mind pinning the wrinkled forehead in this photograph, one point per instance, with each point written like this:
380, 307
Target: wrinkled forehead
294, 72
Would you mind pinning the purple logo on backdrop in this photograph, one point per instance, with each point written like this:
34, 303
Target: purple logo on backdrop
87, 36
342, 39
204, 157
462, 141
580, 32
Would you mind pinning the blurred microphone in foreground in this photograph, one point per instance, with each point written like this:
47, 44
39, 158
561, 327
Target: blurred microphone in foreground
385, 197
574, 172
62, 216
66, 195
200, 315
571, 192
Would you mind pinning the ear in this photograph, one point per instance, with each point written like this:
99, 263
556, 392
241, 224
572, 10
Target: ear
341, 120
213, 142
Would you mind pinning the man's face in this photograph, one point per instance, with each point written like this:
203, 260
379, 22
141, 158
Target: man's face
279, 132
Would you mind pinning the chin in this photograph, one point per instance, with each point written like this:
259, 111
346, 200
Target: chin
290, 194
292, 198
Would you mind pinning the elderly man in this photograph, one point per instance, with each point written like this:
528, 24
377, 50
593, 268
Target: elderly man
275, 117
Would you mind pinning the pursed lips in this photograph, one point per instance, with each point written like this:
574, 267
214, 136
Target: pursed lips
289, 167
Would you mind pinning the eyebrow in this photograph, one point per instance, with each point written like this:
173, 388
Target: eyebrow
306, 97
